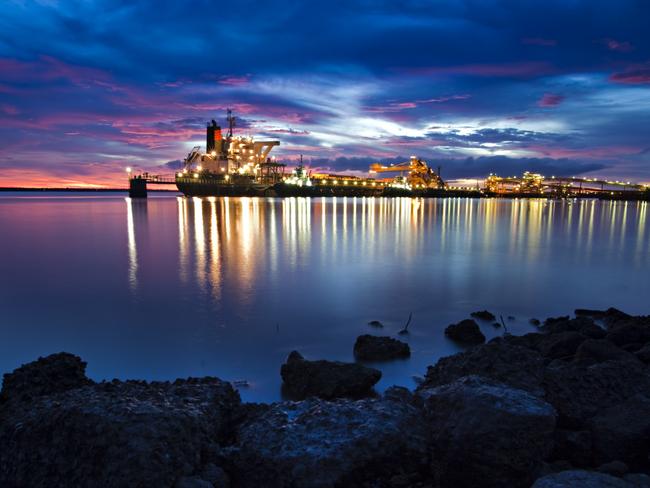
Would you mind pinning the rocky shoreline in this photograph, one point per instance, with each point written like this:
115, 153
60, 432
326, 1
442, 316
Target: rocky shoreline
567, 405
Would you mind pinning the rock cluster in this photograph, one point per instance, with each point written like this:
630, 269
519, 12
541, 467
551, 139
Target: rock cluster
466, 331
326, 379
566, 406
376, 348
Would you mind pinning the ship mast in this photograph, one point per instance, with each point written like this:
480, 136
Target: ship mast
231, 123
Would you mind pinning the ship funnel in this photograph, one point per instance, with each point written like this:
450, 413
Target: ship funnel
213, 139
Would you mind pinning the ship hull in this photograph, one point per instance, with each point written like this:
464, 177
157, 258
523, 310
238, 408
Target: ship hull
206, 186
285, 190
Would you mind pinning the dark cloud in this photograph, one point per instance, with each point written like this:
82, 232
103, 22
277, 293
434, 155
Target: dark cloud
550, 100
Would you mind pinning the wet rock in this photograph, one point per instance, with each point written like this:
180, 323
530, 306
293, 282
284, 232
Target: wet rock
644, 354
466, 331
486, 433
375, 348
560, 345
483, 315
622, 432
327, 379
574, 446
496, 325
534, 321
375, 323
579, 391
51, 374
580, 479
600, 350
118, 434
317, 443
513, 365
614, 468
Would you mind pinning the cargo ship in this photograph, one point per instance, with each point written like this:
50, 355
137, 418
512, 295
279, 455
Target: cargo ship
230, 166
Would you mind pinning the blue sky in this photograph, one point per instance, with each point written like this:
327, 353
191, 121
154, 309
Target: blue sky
90, 87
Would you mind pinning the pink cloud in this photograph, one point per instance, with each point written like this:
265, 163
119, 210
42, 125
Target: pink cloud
539, 41
550, 100
620, 46
637, 74
234, 80
445, 99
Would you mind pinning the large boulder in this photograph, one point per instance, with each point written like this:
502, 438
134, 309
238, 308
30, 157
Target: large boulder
513, 365
117, 434
487, 434
466, 331
327, 379
51, 374
622, 432
579, 391
317, 443
580, 479
374, 348
560, 345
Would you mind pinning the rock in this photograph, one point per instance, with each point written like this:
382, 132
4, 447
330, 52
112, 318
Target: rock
531, 340
483, 315
614, 468
511, 317
117, 434
629, 332
466, 331
644, 354
513, 365
374, 348
327, 379
579, 391
622, 433
561, 345
609, 315
535, 322
317, 443
600, 350
580, 479
487, 434
51, 374
583, 325
496, 325
573, 446
375, 323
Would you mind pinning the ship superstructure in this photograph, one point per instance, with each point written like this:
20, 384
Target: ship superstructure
231, 165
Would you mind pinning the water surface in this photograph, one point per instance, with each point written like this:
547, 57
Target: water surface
174, 287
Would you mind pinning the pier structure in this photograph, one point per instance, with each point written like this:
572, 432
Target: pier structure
138, 183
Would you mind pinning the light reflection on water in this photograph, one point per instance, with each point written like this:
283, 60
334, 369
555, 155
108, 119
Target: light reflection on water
228, 286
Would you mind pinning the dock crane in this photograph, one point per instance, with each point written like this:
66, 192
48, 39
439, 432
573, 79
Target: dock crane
415, 171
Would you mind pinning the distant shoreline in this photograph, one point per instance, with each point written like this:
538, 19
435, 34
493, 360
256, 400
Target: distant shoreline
100, 190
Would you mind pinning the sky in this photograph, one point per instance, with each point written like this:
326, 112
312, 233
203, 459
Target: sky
88, 88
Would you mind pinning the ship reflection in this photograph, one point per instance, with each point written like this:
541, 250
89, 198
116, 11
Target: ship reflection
136, 217
232, 244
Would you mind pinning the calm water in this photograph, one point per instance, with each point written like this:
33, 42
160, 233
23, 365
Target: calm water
173, 287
